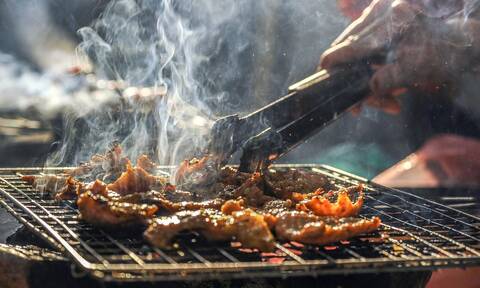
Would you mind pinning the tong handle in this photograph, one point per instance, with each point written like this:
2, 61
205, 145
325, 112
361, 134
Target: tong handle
311, 104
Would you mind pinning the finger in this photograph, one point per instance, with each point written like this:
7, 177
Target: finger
352, 8
399, 91
388, 104
387, 79
375, 37
376, 7
356, 109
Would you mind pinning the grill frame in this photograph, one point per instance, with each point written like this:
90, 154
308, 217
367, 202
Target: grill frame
57, 224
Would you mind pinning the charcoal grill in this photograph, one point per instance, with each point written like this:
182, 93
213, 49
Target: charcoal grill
416, 234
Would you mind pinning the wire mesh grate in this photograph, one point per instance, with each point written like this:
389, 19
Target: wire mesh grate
416, 234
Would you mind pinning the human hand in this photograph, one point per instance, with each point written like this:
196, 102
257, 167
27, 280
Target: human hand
424, 53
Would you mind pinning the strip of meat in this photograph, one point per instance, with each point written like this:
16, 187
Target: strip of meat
145, 163
343, 207
194, 170
159, 199
100, 211
251, 192
186, 205
310, 229
230, 176
136, 180
283, 183
246, 226
231, 206
56, 186
276, 207
106, 166
70, 190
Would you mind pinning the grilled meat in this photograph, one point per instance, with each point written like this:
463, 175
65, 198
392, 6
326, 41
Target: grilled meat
110, 165
244, 226
276, 207
103, 212
232, 205
283, 183
56, 186
296, 205
159, 199
105, 167
310, 229
252, 193
190, 205
343, 207
70, 189
145, 163
136, 180
196, 172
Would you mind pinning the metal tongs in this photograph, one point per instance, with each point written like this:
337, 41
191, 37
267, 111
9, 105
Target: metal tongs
272, 131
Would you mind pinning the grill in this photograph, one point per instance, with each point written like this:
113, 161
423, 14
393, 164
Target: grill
416, 234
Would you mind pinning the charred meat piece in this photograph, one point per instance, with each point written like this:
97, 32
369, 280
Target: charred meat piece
106, 166
283, 183
245, 226
190, 205
70, 190
276, 207
310, 229
136, 180
60, 187
343, 207
100, 211
230, 176
231, 206
97, 187
252, 193
196, 171
145, 163
159, 199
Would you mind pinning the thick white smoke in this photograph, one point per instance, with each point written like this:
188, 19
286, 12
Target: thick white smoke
198, 50
211, 57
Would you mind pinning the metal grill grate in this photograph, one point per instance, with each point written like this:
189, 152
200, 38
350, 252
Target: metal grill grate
417, 234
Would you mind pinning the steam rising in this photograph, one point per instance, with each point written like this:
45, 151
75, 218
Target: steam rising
163, 45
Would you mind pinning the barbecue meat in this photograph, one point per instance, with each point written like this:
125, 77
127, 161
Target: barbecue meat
252, 193
190, 205
244, 226
104, 166
283, 183
196, 171
232, 206
136, 180
231, 177
310, 229
221, 205
145, 163
100, 211
70, 190
276, 207
343, 207
159, 199
60, 187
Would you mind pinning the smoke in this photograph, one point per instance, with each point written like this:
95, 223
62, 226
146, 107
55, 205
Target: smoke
190, 61
209, 56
